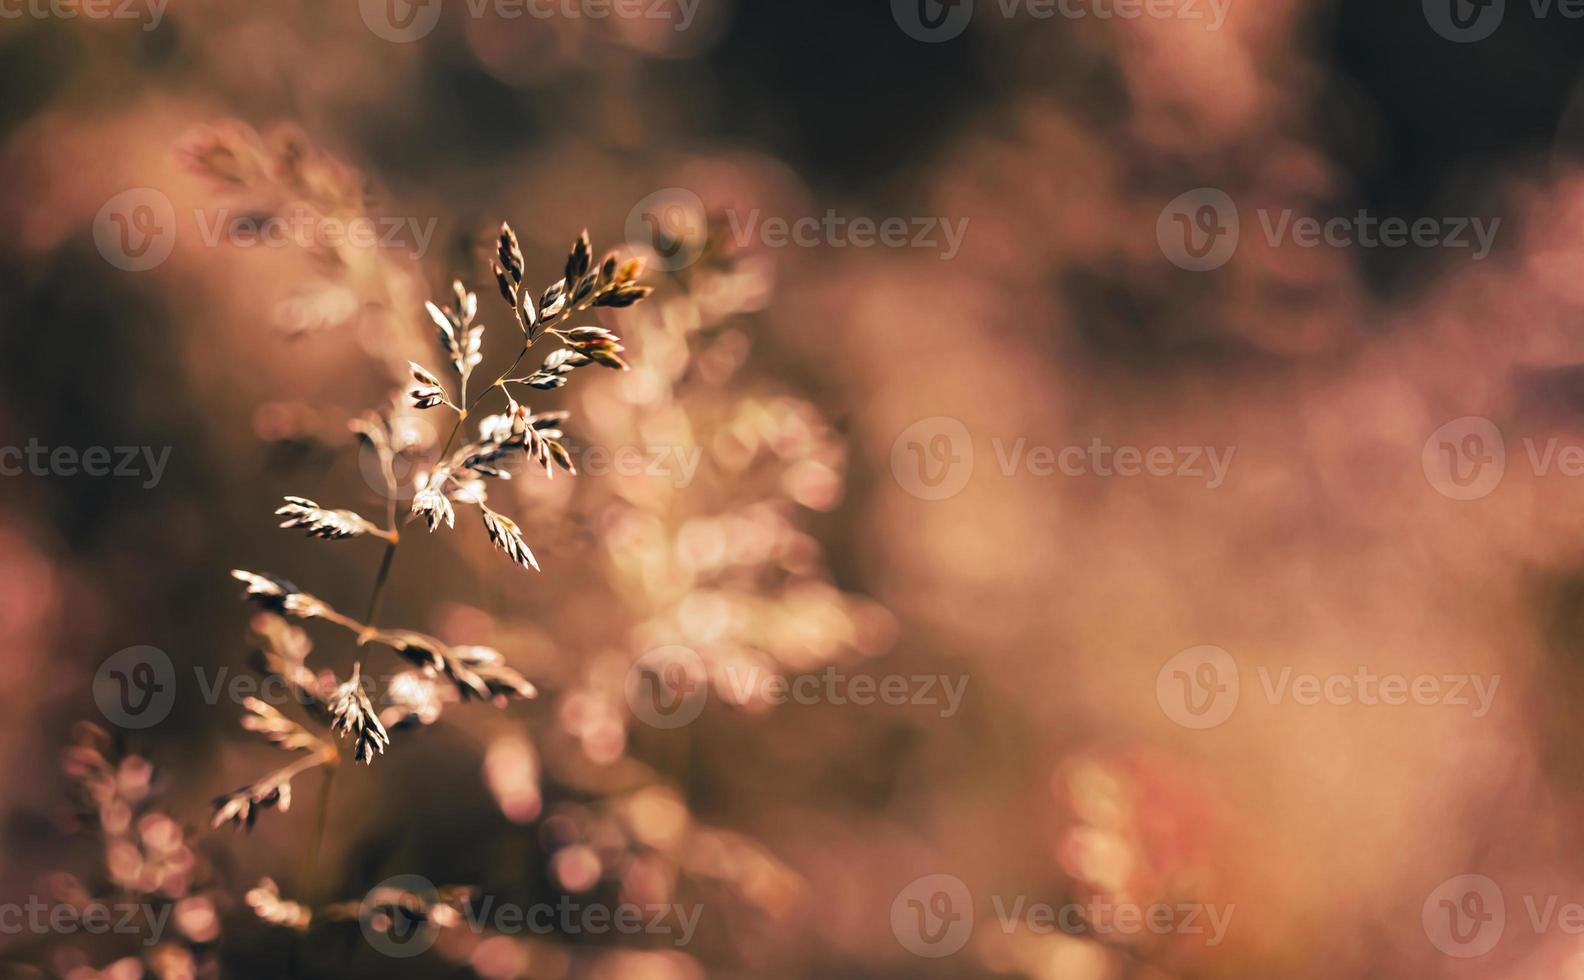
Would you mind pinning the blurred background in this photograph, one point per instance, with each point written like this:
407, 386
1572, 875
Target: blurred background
840, 456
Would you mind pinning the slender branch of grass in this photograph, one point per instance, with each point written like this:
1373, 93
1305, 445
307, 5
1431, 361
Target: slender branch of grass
330, 615
380, 579
322, 821
311, 886
370, 621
